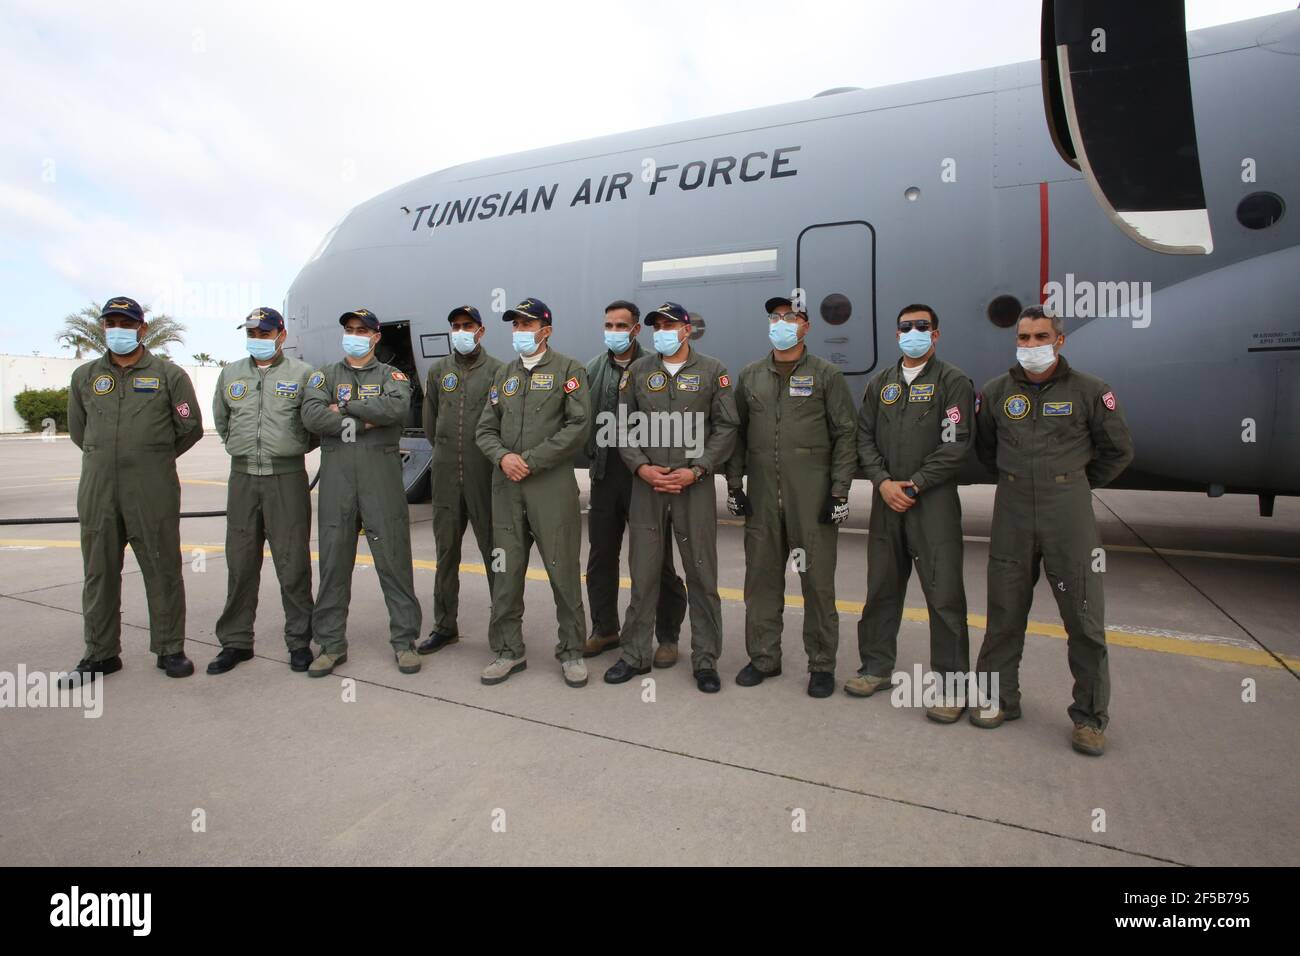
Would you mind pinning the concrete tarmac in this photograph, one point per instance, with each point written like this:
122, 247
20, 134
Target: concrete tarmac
265, 766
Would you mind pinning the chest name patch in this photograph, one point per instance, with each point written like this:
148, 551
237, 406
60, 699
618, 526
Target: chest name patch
688, 381
142, 384
287, 389
1058, 408
371, 391
542, 381
801, 385
920, 393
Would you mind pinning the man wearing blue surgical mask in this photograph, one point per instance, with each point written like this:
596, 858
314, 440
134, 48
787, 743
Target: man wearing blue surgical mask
915, 432
795, 447
132, 414
611, 497
358, 407
454, 395
257, 412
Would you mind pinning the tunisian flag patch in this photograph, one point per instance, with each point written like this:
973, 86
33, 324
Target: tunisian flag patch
571, 384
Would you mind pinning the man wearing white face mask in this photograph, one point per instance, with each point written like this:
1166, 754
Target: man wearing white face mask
454, 396
915, 431
1053, 434
257, 412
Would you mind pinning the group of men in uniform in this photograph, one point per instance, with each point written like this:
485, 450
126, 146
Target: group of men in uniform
656, 428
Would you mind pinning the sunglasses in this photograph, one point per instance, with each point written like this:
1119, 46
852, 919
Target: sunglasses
921, 325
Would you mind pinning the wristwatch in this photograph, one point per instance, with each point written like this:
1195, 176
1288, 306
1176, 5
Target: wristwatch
698, 471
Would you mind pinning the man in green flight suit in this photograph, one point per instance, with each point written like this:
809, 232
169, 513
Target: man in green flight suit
132, 414
534, 422
358, 407
454, 396
915, 430
1053, 434
611, 497
677, 428
796, 444
257, 412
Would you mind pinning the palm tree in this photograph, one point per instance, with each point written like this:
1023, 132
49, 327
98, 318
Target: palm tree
84, 333
202, 358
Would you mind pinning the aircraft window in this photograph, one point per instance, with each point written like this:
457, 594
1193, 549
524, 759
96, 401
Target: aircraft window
324, 243
1260, 210
836, 308
697, 326
1004, 310
701, 267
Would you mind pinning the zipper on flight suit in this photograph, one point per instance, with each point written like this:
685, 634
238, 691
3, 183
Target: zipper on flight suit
779, 505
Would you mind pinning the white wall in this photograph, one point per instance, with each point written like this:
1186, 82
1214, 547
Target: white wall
19, 372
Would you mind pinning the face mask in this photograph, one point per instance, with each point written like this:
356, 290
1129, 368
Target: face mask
261, 349
915, 343
618, 342
121, 341
1037, 359
667, 341
463, 342
783, 335
525, 343
356, 345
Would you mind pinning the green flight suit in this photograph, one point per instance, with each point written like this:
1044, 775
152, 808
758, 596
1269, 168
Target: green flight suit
701, 432
361, 486
611, 501
796, 444
921, 433
256, 411
131, 425
540, 415
1051, 444
454, 396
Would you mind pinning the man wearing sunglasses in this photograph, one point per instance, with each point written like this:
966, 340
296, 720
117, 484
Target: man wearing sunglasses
915, 430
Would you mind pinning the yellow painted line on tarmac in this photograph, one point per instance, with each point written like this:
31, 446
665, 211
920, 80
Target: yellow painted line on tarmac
1204, 650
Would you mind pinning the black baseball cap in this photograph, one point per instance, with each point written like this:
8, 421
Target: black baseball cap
466, 310
530, 309
776, 300
669, 310
365, 315
121, 305
268, 320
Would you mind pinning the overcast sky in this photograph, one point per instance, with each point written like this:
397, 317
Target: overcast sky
192, 155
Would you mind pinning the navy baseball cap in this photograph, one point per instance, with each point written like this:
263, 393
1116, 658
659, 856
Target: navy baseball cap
121, 305
776, 300
530, 309
669, 310
365, 315
466, 310
268, 320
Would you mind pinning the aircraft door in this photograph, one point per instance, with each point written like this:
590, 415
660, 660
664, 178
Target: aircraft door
836, 266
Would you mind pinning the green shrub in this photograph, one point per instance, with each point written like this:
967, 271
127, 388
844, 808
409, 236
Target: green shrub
35, 405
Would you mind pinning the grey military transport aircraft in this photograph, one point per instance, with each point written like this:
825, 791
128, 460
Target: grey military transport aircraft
1135, 179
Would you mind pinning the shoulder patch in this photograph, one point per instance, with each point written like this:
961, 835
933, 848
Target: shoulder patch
492, 395
399, 376
1108, 400
571, 384
183, 409
953, 414
724, 381
623, 380
317, 380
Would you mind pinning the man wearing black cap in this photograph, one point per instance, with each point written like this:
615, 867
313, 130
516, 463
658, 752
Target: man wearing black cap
257, 412
132, 415
681, 416
358, 407
797, 445
534, 422
611, 497
454, 396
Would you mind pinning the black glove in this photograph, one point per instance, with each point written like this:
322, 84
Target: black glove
834, 511
738, 503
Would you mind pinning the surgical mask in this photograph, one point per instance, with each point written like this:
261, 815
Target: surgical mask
667, 341
618, 342
463, 342
356, 345
121, 341
1036, 359
783, 335
915, 343
261, 349
525, 343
